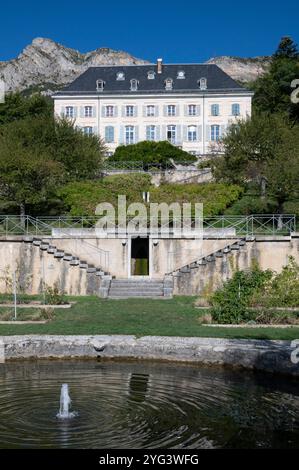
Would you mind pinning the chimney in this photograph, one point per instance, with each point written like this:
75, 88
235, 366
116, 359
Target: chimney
159, 65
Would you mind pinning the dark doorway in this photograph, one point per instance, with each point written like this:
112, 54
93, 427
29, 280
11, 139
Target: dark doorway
140, 256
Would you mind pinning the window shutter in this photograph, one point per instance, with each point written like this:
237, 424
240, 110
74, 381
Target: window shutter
135, 114
177, 110
95, 130
103, 111
185, 133
107, 134
123, 111
62, 111
147, 132
164, 137
198, 110
121, 135
178, 134
156, 111
112, 134
165, 110
208, 133
157, 133
186, 110
199, 133
115, 111
94, 112
136, 134
144, 111
82, 114
75, 111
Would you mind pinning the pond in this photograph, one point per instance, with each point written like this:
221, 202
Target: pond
145, 405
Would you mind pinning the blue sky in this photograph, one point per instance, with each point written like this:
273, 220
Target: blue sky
177, 30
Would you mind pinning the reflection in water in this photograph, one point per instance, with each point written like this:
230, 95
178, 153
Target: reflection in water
145, 405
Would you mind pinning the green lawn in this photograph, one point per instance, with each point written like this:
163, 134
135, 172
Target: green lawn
174, 317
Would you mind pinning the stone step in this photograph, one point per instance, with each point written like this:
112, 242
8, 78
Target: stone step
27, 239
74, 262
115, 297
68, 257
44, 246
59, 254
36, 242
124, 289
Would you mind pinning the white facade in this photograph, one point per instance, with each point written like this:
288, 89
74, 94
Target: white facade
193, 121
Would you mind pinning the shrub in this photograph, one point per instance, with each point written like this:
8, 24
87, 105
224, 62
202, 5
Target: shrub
54, 295
230, 303
252, 205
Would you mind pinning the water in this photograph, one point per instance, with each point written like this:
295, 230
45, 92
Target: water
145, 405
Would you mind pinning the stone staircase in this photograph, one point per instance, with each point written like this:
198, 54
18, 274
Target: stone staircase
72, 260
182, 276
140, 288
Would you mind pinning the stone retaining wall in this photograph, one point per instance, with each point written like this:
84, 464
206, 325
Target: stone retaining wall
264, 355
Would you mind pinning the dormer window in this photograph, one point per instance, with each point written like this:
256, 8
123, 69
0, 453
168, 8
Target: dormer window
151, 75
203, 83
134, 84
168, 84
100, 85
120, 76
181, 74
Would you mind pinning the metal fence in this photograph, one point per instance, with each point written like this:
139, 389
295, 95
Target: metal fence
143, 167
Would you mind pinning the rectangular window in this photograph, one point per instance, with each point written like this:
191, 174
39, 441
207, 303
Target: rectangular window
69, 111
109, 111
192, 110
215, 110
236, 109
192, 133
129, 111
109, 134
130, 135
150, 110
171, 134
151, 133
171, 110
215, 133
88, 111
87, 130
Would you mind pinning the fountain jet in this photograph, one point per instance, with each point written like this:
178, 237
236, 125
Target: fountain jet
65, 403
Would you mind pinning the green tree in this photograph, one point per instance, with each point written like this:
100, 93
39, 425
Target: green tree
17, 107
152, 153
273, 90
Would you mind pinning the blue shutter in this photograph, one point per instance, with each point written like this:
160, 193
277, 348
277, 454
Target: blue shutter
123, 111
177, 110
136, 134
75, 111
107, 133
199, 133
94, 112
164, 136
103, 113
144, 111
157, 133
208, 133
135, 111
115, 111
156, 111
198, 110
186, 110
165, 110
121, 135
81, 111
178, 134
185, 133
112, 133
147, 133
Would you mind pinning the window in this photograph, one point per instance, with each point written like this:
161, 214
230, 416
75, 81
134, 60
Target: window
134, 84
235, 109
192, 134
130, 111
168, 84
151, 75
181, 74
171, 134
87, 111
215, 133
150, 132
87, 130
215, 110
109, 134
120, 76
69, 111
171, 110
130, 135
150, 110
100, 85
192, 110
202, 83
109, 111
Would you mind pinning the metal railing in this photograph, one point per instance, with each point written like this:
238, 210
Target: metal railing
84, 226
143, 167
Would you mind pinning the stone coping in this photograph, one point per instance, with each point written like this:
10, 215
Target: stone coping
36, 305
272, 356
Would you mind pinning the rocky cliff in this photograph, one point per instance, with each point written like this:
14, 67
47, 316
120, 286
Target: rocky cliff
47, 66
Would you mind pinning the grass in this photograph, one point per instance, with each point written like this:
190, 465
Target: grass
140, 317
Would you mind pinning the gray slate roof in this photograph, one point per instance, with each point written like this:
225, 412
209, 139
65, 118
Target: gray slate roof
217, 80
